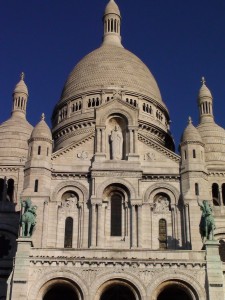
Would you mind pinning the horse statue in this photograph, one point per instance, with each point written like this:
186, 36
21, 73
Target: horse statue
207, 223
28, 219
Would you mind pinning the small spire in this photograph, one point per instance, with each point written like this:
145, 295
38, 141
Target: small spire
42, 116
189, 120
22, 76
203, 81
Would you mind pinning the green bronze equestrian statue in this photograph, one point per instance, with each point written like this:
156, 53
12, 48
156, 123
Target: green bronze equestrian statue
28, 219
207, 223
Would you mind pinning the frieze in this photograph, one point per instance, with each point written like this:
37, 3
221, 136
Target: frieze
134, 263
9, 169
160, 178
116, 174
62, 175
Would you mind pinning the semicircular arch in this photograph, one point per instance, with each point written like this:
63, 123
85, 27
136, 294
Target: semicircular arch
114, 111
188, 280
108, 182
107, 279
74, 186
166, 188
38, 288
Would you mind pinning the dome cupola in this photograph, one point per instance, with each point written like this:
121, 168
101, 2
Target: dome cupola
191, 133
205, 103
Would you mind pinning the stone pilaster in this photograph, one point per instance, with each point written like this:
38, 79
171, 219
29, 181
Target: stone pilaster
214, 271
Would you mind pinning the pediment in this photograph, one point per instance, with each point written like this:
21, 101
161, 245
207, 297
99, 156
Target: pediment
81, 150
151, 151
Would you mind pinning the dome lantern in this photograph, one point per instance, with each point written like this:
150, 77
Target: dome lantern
205, 103
112, 24
20, 97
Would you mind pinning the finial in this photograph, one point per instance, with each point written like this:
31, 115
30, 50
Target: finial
203, 80
189, 120
43, 116
22, 76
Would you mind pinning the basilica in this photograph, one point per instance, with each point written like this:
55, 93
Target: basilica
100, 206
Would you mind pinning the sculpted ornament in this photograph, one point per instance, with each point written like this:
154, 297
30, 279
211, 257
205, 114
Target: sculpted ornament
161, 205
82, 155
150, 156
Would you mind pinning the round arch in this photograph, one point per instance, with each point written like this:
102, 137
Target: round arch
107, 280
74, 186
100, 189
45, 280
131, 120
166, 188
186, 281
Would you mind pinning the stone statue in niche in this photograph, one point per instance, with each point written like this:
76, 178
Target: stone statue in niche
116, 140
161, 204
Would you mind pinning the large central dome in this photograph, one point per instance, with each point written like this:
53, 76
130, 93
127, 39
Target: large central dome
111, 66
109, 72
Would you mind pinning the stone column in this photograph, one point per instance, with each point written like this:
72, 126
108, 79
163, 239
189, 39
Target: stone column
93, 225
103, 141
131, 141
100, 227
98, 141
187, 226
139, 238
215, 279
134, 226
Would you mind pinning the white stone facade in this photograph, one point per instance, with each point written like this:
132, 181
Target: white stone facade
117, 210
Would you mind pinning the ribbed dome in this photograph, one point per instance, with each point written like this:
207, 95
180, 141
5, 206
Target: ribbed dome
112, 8
214, 138
14, 136
191, 134
41, 130
109, 67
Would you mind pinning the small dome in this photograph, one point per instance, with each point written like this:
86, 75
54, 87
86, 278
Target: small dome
112, 8
21, 86
204, 91
191, 133
41, 130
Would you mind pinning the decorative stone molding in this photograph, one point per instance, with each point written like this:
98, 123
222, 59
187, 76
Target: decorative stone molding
117, 174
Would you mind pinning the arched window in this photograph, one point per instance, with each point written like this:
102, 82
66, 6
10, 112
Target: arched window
68, 239
162, 234
215, 194
223, 193
196, 189
10, 190
185, 154
194, 153
47, 151
222, 250
39, 150
2, 184
36, 186
116, 215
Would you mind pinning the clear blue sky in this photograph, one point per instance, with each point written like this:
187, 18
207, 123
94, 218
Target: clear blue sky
180, 41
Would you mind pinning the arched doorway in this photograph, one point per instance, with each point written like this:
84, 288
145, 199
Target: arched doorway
118, 292
117, 289
61, 290
175, 291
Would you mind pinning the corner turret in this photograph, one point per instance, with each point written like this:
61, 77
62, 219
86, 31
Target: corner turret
20, 97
